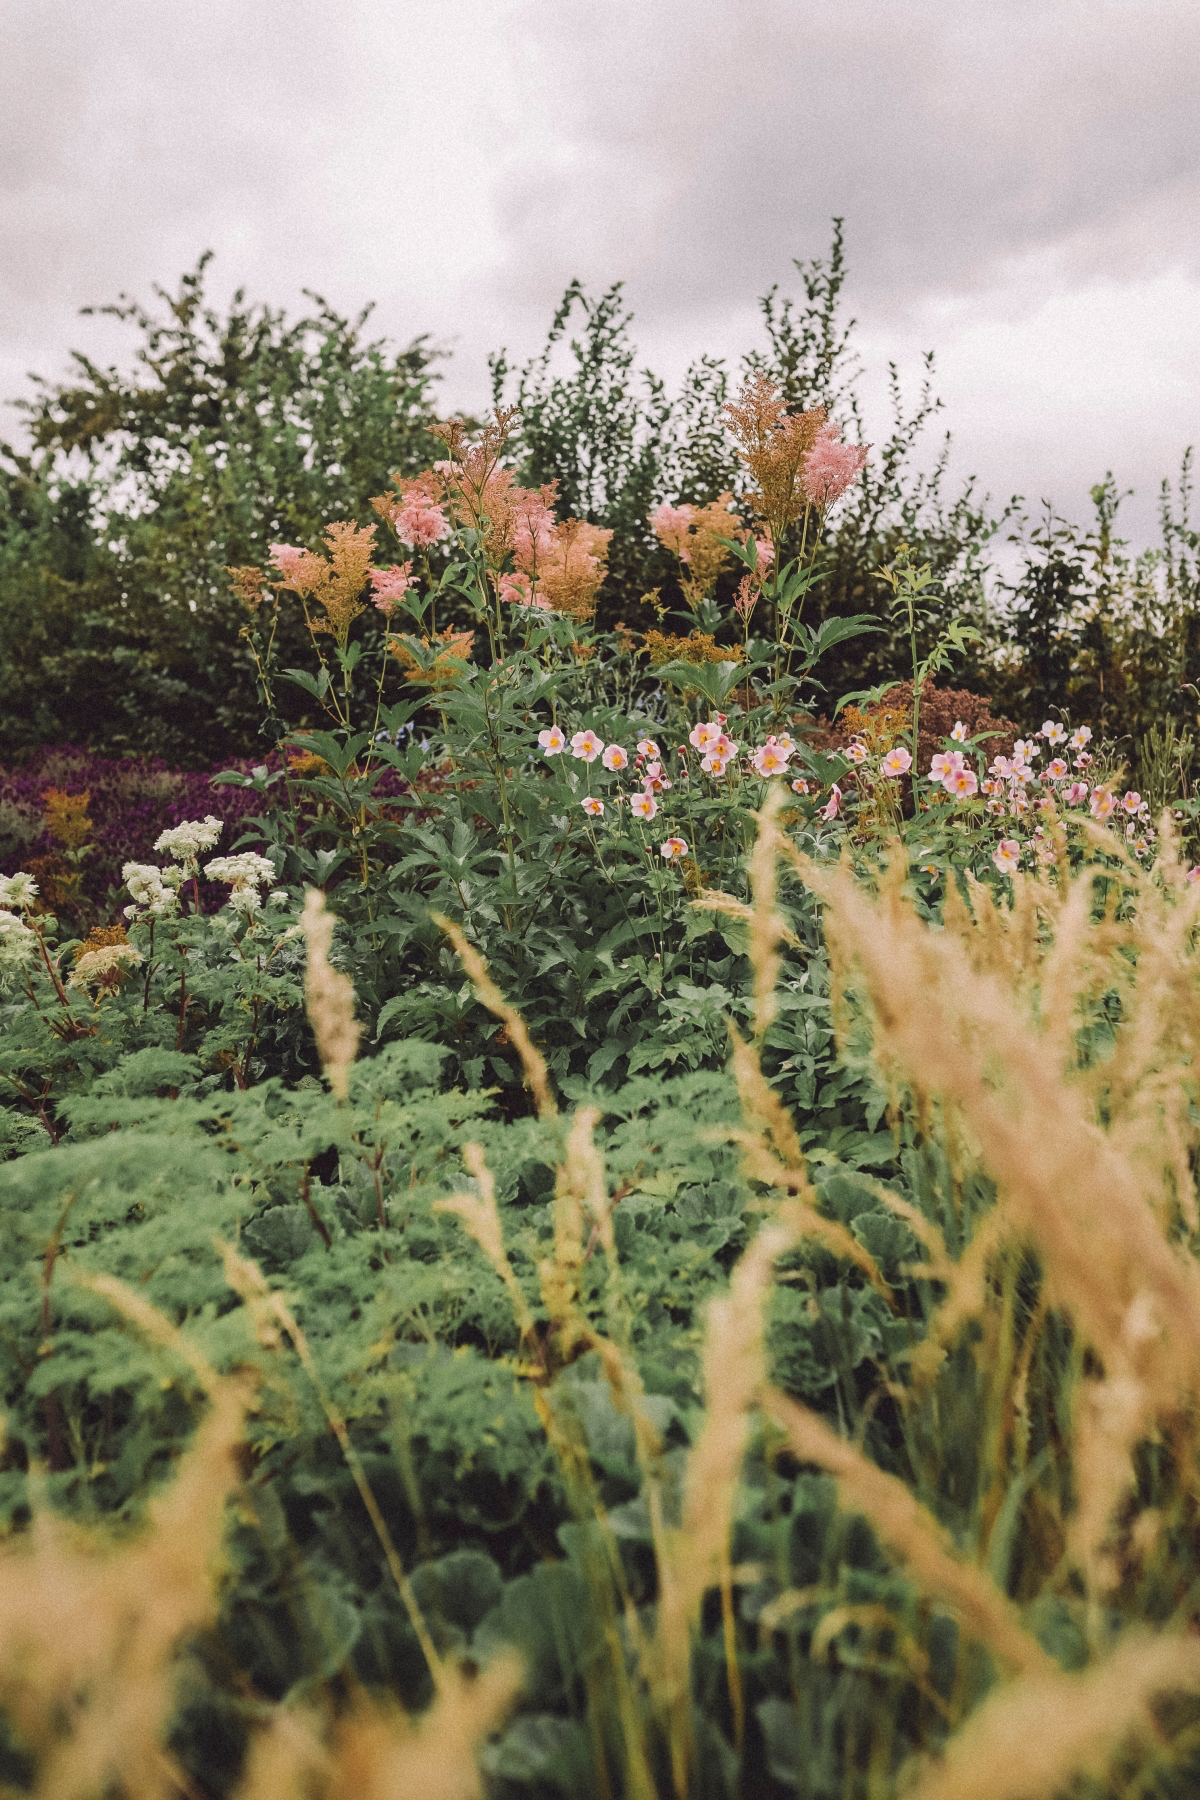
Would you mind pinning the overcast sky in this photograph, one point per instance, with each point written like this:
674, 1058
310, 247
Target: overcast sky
1020, 181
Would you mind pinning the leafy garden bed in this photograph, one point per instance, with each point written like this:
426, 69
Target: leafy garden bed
600, 1224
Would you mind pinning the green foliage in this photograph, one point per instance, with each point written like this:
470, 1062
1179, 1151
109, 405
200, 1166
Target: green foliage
1095, 631
524, 1427
232, 432
116, 528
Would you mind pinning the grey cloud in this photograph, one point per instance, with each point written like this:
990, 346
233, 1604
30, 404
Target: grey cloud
130, 140
957, 138
460, 162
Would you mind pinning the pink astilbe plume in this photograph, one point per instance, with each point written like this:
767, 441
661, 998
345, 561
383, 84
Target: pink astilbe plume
746, 598
390, 585
670, 525
518, 591
699, 536
766, 556
532, 526
831, 467
289, 560
418, 519
574, 568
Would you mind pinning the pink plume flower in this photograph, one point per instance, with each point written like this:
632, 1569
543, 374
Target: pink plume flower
746, 598
667, 520
831, 467
417, 520
390, 585
518, 591
287, 558
533, 530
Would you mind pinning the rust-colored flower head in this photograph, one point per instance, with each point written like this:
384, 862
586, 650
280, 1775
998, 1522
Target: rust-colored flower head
66, 816
442, 671
697, 535
773, 444
478, 490
335, 582
573, 567
249, 584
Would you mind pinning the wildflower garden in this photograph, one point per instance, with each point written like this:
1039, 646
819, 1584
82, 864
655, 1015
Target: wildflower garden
598, 1090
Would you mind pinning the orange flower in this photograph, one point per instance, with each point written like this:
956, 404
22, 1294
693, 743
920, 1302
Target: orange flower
774, 444
695, 534
441, 672
573, 568
67, 817
335, 582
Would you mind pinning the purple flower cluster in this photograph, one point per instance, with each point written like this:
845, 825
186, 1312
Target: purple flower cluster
132, 799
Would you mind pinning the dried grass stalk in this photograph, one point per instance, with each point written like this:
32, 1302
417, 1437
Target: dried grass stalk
375, 1753
913, 1535
1084, 1195
696, 1557
91, 1626
328, 995
1030, 1738
537, 1078
481, 1217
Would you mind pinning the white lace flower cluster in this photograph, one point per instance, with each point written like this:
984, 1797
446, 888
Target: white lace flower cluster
245, 873
18, 946
104, 967
154, 891
19, 891
186, 841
